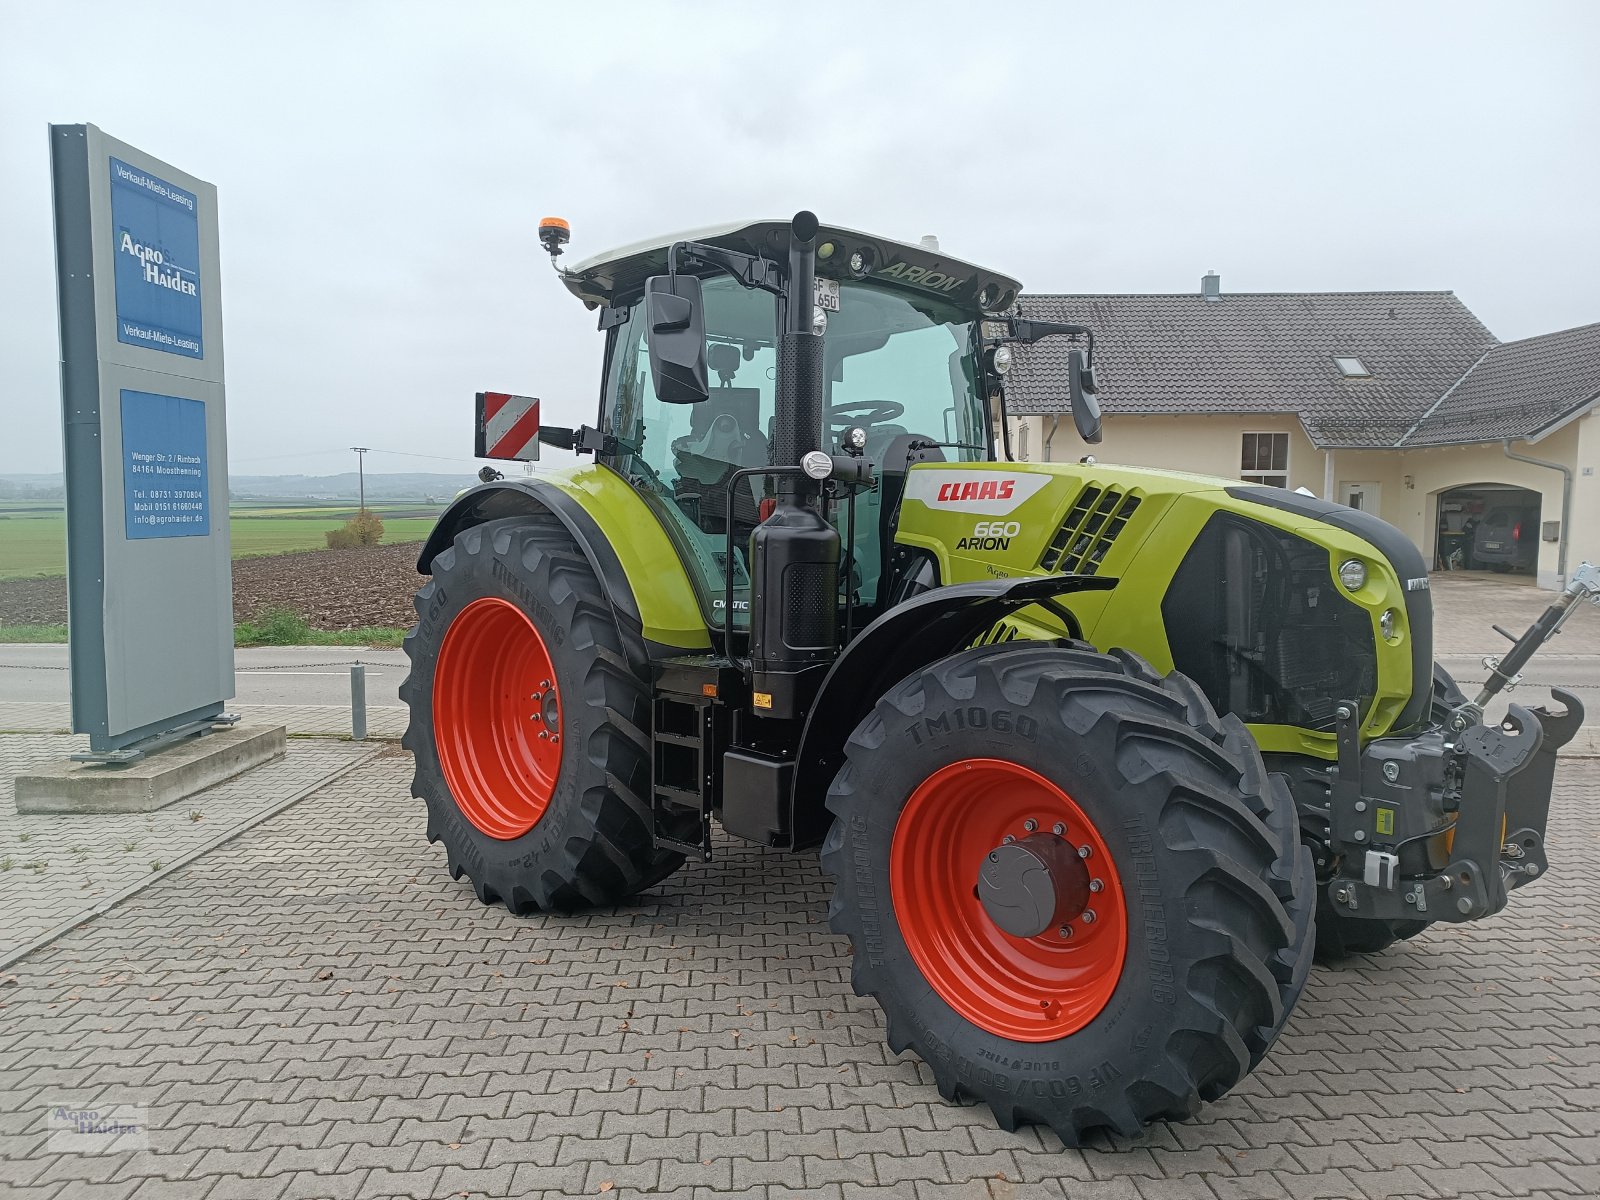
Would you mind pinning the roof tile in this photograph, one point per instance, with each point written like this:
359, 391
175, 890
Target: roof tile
1261, 353
1517, 390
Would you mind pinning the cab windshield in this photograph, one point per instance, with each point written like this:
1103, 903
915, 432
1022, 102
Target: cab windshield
900, 366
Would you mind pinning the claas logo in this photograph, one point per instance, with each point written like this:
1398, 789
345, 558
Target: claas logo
989, 489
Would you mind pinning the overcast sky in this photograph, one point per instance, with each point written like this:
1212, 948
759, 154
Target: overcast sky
382, 169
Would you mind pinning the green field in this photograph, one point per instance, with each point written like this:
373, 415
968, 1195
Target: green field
33, 540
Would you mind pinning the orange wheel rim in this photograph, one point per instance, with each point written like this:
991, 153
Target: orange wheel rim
497, 718
1027, 989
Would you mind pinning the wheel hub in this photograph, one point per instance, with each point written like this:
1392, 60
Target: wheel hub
1031, 886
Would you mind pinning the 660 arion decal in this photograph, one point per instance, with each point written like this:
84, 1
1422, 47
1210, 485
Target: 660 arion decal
993, 493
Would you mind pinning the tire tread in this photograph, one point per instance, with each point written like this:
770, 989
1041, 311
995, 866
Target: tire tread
618, 856
1252, 868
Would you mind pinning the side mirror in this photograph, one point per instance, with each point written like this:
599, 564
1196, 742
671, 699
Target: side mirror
676, 317
1081, 388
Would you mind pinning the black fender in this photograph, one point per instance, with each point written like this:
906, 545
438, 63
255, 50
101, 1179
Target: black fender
527, 497
909, 636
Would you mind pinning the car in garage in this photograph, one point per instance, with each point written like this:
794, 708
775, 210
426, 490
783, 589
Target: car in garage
1507, 538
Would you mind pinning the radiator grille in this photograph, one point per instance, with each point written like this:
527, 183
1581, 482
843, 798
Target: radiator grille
1091, 526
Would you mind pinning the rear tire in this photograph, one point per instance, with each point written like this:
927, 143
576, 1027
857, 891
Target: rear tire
1201, 845
532, 825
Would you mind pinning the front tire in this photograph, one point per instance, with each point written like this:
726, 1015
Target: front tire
1197, 940
529, 729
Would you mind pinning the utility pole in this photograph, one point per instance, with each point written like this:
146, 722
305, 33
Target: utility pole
361, 472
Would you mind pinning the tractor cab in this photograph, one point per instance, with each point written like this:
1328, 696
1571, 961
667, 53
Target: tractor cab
904, 380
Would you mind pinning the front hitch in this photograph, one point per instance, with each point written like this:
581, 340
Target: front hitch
1493, 781
1483, 791
1497, 782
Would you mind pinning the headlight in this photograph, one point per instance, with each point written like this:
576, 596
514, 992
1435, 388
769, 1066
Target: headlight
1387, 624
1001, 359
1353, 574
819, 319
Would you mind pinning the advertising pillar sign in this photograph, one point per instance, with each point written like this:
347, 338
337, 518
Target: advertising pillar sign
149, 580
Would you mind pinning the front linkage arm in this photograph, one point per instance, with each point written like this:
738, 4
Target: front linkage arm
1505, 672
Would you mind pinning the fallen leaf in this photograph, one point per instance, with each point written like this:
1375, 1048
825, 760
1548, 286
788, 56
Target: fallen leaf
607, 1186
323, 975
455, 1145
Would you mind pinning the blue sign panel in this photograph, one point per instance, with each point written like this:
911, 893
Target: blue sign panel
164, 466
156, 230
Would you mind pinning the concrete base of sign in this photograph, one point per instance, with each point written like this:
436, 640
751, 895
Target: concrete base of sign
152, 782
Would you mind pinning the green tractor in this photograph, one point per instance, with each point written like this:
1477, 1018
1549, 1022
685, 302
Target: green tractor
1097, 757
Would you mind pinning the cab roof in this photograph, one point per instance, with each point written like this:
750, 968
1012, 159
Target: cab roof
620, 274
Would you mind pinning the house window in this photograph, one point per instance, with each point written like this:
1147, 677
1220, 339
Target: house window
1351, 368
1264, 458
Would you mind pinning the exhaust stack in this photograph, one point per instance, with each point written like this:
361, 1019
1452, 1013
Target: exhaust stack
794, 553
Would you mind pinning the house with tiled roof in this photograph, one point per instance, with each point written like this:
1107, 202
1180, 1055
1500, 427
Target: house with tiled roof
1402, 403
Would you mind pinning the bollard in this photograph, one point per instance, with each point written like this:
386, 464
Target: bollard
358, 702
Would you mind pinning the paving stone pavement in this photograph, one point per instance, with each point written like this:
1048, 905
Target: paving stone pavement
1467, 603
317, 1010
56, 869
384, 721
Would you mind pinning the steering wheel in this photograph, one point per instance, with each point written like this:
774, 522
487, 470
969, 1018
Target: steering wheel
865, 412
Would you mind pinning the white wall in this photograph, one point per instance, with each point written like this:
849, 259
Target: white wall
1208, 445
1414, 508
1411, 480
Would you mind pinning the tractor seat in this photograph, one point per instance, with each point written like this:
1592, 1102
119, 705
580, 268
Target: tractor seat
880, 438
723, 435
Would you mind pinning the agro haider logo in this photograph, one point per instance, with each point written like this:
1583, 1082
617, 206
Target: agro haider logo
155, 239
156, 268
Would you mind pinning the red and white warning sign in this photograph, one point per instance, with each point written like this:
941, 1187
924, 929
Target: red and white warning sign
508, 427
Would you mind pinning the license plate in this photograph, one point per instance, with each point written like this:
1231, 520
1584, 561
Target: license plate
1494, 545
